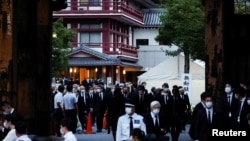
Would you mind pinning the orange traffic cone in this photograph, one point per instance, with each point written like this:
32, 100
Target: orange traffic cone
104, 125
89, 125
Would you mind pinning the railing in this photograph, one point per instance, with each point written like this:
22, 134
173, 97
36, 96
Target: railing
112, 48
101, 7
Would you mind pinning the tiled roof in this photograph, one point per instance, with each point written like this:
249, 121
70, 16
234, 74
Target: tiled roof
104, 59
151, 17
94, 53
87, 62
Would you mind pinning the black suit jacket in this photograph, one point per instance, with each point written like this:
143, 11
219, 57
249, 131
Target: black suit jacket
243, 120
100, 105
144, 106
202, 129
83, 106
229, 108
197, 107
150, 126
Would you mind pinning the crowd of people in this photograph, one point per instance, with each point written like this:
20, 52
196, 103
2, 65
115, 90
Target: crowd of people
170, 106
135, 113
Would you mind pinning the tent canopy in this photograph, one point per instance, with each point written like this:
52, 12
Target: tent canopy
170, 71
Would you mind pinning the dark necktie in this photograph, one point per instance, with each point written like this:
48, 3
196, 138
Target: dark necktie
209, 117
156, 122
131, 125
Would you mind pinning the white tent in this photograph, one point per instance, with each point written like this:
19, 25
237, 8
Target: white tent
171, 71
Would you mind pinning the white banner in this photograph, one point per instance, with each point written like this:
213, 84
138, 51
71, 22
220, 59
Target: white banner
187, 83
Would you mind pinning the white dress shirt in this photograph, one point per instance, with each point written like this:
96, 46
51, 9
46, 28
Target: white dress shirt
69, 136
58, 98
69, 101
123, 131
23, 138
154, 118
11, 136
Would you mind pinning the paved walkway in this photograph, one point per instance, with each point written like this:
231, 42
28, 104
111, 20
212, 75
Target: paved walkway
103, 136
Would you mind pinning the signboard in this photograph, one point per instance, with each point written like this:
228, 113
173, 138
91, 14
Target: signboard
109, 80
187, 83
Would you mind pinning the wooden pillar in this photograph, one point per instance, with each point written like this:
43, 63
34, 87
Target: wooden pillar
31, 62
227, 36
214, 45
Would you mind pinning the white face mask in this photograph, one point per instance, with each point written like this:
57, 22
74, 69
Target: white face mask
156, 111
61, 131
166, 89
209, 104
248, 102
228, 89
128, 110
5, 113
5, 125
163, 93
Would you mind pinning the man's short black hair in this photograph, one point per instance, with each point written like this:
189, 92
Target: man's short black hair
61, 88
69, 88
68, 123
12, 118
21, 127
203, 95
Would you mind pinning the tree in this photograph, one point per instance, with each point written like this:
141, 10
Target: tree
62, 37
183, 26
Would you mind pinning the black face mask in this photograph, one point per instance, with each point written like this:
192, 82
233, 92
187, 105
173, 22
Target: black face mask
125, 92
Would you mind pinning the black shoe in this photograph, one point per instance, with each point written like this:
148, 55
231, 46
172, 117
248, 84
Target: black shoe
99, 130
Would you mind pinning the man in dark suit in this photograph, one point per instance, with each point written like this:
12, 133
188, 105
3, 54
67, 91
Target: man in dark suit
242, 109
142, 101
83, 106
155, 122
100, 106
187, 104
176, 111
207, 119
230, 105
91, 102
164, 98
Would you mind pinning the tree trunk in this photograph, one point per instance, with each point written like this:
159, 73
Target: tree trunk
187, 63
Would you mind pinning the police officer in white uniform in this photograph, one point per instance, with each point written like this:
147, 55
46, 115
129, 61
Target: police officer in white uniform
130, 120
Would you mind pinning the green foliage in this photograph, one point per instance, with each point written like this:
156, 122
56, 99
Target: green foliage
183, 26
60, 47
